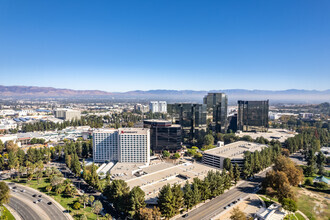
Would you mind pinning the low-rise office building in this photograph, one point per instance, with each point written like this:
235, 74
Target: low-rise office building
67, 114
235, 152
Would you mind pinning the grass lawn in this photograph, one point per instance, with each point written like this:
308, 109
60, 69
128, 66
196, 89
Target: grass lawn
299, 216
6, 214
66, 202
313, 207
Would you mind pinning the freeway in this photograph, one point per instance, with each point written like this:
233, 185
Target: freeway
25, 211
25, 198
218, 204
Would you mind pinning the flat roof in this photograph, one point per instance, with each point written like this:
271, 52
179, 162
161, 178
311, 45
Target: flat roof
235, 150
272, 134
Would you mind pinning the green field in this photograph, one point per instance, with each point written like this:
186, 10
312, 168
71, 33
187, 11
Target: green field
66, 202
6, 214
313, 207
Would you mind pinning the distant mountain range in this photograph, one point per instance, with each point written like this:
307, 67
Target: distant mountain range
283, 96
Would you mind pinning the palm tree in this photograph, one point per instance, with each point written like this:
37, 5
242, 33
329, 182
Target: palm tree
97, 207
84, 199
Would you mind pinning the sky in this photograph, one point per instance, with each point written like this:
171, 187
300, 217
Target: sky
126, 45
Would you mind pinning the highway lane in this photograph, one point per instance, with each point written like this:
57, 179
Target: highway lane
25, 211
218, 204
51, 210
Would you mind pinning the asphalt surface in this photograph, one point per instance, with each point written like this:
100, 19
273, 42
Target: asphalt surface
218, 204
25, 201
23, 210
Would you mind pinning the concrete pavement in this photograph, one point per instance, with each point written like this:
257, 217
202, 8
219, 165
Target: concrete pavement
218, 204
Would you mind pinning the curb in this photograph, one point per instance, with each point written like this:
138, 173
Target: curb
67, 215
13, 212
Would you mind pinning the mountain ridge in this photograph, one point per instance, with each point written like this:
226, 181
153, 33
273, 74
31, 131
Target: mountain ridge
300, 95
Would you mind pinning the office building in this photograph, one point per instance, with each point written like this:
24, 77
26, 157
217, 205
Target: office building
158, 106
67, 114
190, 116
217, 104
252, 115
105, 145
235, 152
164, 135
126, 145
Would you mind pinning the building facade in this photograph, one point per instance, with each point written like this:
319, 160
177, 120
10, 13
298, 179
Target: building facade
129, 145
164, 135
217, 108
252, 115
158, 106
190, 116
67, 114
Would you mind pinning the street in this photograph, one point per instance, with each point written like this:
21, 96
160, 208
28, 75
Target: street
218, 204
24, 201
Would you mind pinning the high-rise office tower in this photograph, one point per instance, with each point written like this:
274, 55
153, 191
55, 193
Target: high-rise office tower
164, 135
158, 106
154, 106
217, 104
252, 115
190, 116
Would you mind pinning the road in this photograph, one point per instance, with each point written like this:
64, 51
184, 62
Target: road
218, 204
83, 187
23, 203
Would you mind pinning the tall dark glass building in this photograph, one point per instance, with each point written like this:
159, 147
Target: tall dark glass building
190, 116
163, 135
252, 115
217, 104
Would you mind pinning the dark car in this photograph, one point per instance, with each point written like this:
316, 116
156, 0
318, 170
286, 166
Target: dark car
40, 196
185, 215
34, 195
49, 203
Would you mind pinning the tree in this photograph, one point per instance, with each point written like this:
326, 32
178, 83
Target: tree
166, 154
176, 156
237, 214
91, 199
227, 164
108, 216
118, 194
2, 146
137, 201
166, 202
149, 214
11, 147
82, 217
294, 173
97, 207
177, 196
289, 204
208, 139
84, 199
320, 160
237, 173
49, 188
188, 196
4, 193
308, 182
76, 205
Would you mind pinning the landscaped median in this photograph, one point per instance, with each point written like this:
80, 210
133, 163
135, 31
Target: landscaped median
5, 214
64, 202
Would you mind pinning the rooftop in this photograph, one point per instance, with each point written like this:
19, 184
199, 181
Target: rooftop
272, 134
235, 150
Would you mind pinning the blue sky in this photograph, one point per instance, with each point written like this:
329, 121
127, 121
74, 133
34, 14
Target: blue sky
174, 44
